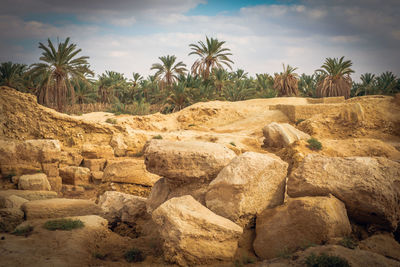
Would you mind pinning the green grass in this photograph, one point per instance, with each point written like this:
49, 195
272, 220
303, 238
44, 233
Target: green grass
26, 230
112, 121
299, 121
324, 260
138, 154
63, 224
314, 144
191, 125
157, 137
134, 255
348, 242
232, 143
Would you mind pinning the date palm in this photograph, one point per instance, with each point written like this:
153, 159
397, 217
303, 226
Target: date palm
212, 55
169, 71
60, 66
336, 80
286, 82
387, 83
12, 75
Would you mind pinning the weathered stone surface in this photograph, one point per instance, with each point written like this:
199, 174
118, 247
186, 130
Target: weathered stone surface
50, 169
12, 202
165, 189
94, 164
299, 222
91, 151
59, 207
370, 187
187, 160
40, 150
75, 175
20, 168
282, 134
36, 181
10, 218
353, 114
97, 177
249, 184
383, 244
118, 144
8, 151
129, 171
71, 158
193, 234
27, 194
55, 183
117, 206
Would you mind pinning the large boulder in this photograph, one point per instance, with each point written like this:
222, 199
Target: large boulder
298, 223
383, 244
50, 169
192, 234
27, 194
117, 206
186, 160
131, 171
40, 150
55, 183
59, 207
282, 134
8, 151
118, 144
36, 181
75, 175
10, 218
370, 187
250, 183
12, 202
94, 164
91, 151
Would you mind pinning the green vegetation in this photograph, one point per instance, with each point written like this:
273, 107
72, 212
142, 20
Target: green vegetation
314, 144
112, 121
299, 121
23, 231
63, 224
348, 242
324, 260
157, 137
134, 255
64, 80
232, 143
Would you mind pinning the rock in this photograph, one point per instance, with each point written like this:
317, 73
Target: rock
383, 244
117, 206
353, 114
27, 194
59, 207
118, 144
41, 150
94, 164
192, 234
91, 151
12, 202
299, 222
369, 187
71, 158
97, 177
20, 168
165, 189
10, 218
249, 184
50, 169
8, 151
34, 182
75, 175
72, 188
186, 160
282, 134
131, 171
55, 183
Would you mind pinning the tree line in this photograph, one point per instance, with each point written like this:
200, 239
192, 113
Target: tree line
63, 77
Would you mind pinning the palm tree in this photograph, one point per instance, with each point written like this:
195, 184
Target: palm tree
307, 85
12, 75
220, 78
367, 85
286, 82
111, 84
212, 55
264, 85
240, 90
178, 97
136, 78
84, 92
59, 67
168, 71
387, 83
336, 79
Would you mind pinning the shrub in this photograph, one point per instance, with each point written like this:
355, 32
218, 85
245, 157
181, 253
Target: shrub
299, 121
138, 154
112, 121
26, 230
191, 125
63, 224
232, 143
314, 144
324, 260
157, 137
134, 255
348, 242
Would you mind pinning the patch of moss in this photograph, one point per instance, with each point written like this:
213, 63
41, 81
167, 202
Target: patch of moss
63, 224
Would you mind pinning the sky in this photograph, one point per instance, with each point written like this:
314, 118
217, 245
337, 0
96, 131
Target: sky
129, 35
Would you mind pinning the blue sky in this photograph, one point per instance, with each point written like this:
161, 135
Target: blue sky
129, 35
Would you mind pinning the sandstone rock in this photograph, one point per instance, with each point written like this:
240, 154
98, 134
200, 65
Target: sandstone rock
249, 184
71, 158
192, 234
383, 244
41, 150
187, 160
72, 188
282, 134
34, 182
27, 194
10, 218
118, 144
94, 164
97, 177
8, 151
299, 222
12, 202
55, 183
129, 171
117, 206
91, 151
50, 169
75, 175
353, 114
20, 168
59, 207
369, 187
